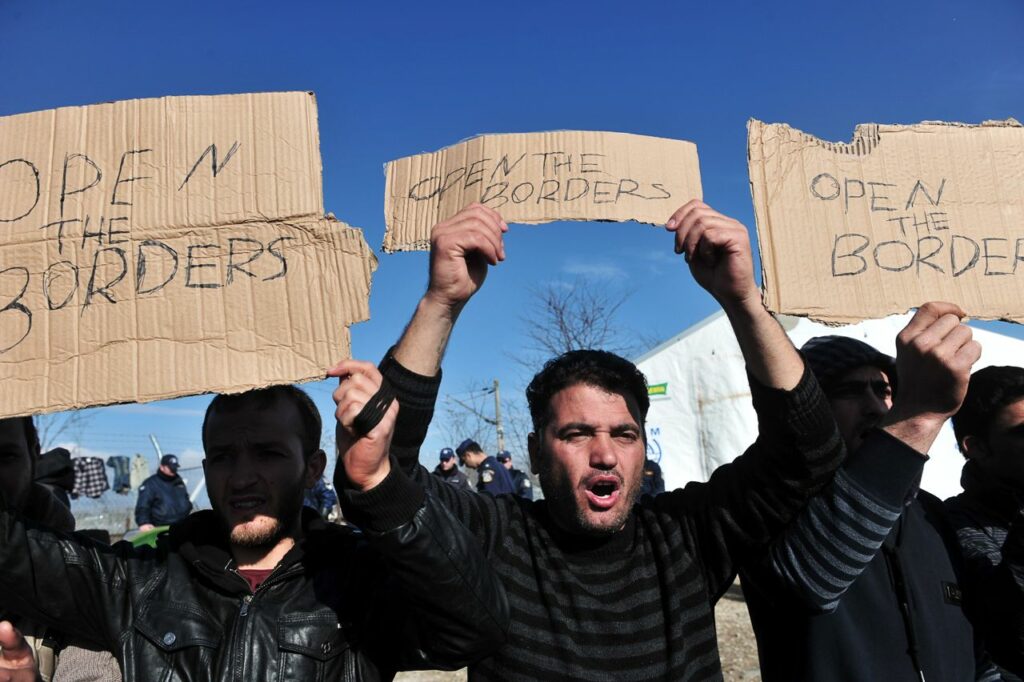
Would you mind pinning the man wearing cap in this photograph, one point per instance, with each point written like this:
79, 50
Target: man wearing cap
865, 584
163, 498
989, 514
448, 471
520, 481
491, 477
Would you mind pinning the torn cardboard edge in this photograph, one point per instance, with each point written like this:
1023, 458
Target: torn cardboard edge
221, 275
940, 217
534, 178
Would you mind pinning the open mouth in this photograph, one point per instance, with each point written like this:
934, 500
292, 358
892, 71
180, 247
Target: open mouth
247, 504
603, 491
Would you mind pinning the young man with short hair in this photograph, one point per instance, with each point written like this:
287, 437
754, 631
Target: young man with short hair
601, 588
865, 585
258, 588
989, 515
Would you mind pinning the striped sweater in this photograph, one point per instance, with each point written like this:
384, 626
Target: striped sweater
864, 585
637, 605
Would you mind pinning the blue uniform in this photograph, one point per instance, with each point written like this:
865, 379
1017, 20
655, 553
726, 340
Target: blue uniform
162, 501
524, 488
493, 478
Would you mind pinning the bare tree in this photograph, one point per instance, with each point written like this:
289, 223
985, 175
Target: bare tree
61, 427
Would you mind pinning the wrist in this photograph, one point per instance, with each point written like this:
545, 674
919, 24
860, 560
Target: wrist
918, 431
364, 479
744, 308
440, 306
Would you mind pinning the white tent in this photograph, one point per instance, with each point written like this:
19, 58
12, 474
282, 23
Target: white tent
701, 415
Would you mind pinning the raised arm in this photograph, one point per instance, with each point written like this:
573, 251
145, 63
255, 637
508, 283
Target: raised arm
717, 249
452, 608
840, 532
746, 504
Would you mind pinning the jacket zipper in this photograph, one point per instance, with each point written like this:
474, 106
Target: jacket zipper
243, 612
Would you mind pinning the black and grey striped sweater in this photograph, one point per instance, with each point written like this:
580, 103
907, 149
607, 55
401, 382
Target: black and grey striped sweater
638, 605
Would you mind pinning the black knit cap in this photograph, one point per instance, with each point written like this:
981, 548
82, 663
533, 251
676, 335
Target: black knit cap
830, 357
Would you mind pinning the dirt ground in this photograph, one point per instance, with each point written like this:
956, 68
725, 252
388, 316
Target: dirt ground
735, 643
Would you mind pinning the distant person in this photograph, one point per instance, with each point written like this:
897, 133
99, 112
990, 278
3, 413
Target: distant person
448, 470
865, 584
491, 477
322, 499
652, 483
989, 515
520, 479
163, 497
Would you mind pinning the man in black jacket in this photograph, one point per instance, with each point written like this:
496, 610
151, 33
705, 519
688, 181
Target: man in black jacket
259, 589
989, 515
604, 585
163, 498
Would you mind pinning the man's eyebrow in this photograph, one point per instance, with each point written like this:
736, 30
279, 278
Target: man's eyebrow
576, 426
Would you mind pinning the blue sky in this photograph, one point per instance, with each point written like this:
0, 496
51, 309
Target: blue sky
394, 79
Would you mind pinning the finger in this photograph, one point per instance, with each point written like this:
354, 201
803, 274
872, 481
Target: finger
969, 353
351, 366
926, 314
14, 646
676, 219
491, 214
485, 225
474, 241
929, 338
357, 388
720, 230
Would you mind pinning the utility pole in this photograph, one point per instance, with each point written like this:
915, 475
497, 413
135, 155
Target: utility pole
497, 416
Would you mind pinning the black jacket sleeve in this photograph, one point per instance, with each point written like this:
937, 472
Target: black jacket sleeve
484, 515
455, 607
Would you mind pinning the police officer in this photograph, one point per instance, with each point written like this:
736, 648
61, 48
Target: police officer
163, 498
521, 482
448, 471
492, 477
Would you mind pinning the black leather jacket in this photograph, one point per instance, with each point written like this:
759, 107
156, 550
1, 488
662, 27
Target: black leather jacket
339, 606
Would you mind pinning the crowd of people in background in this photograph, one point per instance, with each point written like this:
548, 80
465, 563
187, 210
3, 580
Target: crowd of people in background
851, 571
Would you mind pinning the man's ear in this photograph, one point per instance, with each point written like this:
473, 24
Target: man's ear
974, 447
533, 447
315, 466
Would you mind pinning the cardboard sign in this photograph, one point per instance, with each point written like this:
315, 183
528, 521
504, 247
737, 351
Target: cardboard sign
165, 247
902, 215
540, 178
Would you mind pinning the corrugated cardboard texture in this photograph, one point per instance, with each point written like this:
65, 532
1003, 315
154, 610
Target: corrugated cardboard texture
165, 247
902, 215
540, 178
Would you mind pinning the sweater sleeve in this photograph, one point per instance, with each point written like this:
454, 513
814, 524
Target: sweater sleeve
819, 556
734, 517
485, 516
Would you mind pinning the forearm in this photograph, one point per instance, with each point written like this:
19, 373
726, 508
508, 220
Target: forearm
768, 352
836, 536
425, 339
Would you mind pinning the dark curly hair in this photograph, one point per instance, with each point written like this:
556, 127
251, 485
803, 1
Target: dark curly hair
597, 368
990, 390
265, 398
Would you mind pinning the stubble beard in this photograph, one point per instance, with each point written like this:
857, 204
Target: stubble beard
560, 495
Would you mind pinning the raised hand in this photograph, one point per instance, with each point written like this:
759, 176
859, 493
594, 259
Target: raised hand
461, 249
365, 457
718, 251
934, 356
